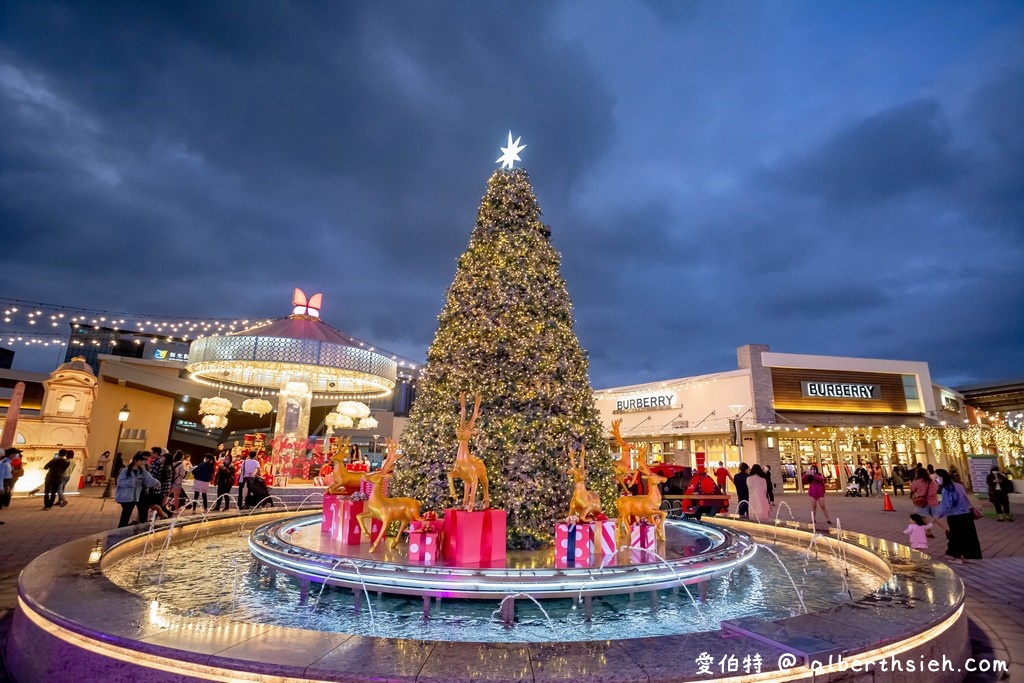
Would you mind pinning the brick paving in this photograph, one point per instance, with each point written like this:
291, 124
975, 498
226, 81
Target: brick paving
995, 585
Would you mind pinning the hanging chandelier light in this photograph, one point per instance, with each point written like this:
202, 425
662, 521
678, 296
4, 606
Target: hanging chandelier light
336, 421
353, 409
257, 406
215, 406
367, 423
215, 421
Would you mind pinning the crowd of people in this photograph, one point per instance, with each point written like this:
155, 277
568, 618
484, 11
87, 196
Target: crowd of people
939, 499
152, 483
755, 490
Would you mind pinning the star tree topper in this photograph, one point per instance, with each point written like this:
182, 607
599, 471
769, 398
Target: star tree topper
511, 153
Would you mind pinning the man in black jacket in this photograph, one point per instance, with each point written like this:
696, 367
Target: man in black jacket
54, 475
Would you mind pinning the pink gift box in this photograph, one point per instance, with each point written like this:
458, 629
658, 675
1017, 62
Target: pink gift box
424, 546
606, 541
574, 545
332, 514
642, 536
473, 538
348, 531
367, 487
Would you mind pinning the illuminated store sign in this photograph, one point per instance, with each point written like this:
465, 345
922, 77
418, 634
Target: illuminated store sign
648, 402
166, 354
840, 390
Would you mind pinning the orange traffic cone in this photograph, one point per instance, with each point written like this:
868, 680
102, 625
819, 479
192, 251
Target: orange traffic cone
81, 481
887, 504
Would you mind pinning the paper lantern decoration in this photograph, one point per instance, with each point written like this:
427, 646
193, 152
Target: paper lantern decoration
257, 406
215, 406
367, 423
353, 409
336, 421
215, 421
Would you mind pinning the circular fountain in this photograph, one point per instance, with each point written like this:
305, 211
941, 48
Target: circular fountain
285, 602
692, 553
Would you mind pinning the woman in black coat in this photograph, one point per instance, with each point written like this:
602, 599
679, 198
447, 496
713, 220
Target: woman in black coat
225, 479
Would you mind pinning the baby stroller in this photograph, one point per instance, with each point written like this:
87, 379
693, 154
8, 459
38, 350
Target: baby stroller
257, 493
853, 490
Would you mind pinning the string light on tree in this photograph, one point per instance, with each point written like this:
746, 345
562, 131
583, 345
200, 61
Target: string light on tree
506, 331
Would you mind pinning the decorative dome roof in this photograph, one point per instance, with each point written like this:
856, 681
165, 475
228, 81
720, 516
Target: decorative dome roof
297, 348
76, 364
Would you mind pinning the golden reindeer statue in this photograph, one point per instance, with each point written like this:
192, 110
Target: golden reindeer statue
343, 481
469, 468
625, 476
387, 510
633, 508
585, 504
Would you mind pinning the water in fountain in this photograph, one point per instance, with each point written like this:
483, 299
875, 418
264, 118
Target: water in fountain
782, 564
164, 551
778, 512
262, 505
303, 501
547, 617
146, 545
610, 557
366, 593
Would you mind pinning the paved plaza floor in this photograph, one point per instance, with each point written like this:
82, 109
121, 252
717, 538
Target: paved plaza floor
995, 585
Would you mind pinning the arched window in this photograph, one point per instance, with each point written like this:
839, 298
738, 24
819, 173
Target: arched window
67, 405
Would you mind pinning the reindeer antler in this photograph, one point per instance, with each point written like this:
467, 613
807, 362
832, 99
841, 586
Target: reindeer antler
572, 456
392, 455
641, 458
619, 441
476, 411
462, 412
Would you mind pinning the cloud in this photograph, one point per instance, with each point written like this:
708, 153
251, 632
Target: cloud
707, 183
895, 153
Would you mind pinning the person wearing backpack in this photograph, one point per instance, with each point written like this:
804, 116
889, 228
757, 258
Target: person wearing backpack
178, 473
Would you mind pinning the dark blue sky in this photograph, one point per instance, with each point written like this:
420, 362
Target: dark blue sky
827, 178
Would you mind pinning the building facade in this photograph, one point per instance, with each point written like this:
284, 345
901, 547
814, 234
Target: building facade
790, 411
61, 421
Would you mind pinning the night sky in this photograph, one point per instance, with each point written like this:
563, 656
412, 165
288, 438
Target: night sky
826, 178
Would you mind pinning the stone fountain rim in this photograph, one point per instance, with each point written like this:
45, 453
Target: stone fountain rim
72, 570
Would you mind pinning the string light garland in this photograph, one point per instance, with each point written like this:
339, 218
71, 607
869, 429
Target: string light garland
34, 323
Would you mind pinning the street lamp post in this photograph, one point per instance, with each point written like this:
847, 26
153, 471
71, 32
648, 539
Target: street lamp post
122, 417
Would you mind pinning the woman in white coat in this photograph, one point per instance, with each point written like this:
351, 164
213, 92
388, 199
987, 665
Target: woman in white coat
757, 483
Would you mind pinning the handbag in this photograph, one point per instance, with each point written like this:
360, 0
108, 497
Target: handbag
977, 513
920, 501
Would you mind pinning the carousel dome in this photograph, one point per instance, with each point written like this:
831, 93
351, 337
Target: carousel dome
299, 348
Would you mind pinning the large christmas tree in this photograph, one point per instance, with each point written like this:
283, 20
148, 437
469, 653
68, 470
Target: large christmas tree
506, 331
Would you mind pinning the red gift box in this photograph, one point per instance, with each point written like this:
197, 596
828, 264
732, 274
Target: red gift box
332, 514
424, 546
574, 545
606, 541
472, 538
348, 530
642, 536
